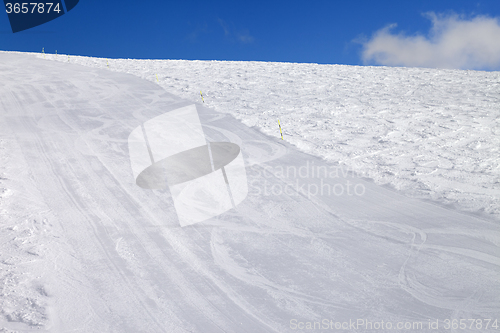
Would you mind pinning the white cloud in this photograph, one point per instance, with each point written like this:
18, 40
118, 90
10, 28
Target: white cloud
453, 42
244, 37
224, 27
233, 35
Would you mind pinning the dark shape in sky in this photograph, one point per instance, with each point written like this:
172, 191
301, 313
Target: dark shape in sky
70, 4
26, 15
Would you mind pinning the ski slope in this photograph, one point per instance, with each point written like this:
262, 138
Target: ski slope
84, 249
430, 133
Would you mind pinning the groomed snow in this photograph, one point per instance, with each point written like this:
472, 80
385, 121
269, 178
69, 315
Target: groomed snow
84, 249
430, 133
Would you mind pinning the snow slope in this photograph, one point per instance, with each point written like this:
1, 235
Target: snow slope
430, 133
83, 249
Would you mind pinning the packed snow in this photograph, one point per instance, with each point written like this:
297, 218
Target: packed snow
431, 133
84, 249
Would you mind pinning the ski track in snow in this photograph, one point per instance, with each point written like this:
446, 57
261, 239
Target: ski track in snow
430, 133
83, 249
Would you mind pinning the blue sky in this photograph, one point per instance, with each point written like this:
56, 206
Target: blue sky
328, 32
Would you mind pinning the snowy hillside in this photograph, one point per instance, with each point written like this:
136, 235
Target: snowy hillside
309, 245
431, 133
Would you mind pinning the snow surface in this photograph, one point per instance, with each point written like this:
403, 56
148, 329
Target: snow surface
430, 133
83, 249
